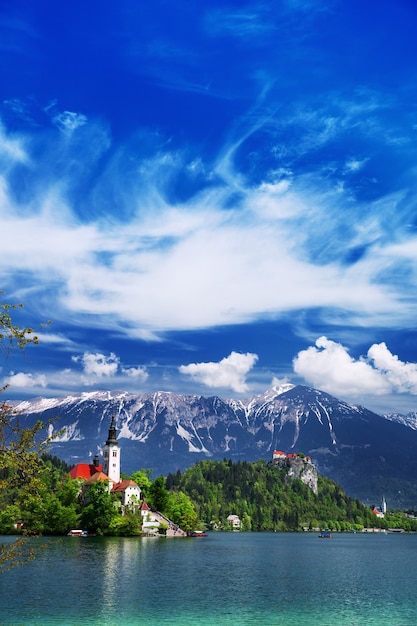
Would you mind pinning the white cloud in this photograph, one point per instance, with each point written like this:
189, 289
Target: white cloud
139, 373
97, 375
96, 366
99, 365
23, 380
401, 376
230, 372
328, 366
281, 384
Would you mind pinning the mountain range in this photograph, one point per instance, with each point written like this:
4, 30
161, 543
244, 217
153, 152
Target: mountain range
369, 455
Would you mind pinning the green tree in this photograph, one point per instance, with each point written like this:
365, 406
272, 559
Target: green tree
142, 479
246, 524
265, 497
60, 518
68, 491
158, 495
128, 525
180, 510
9, 517
101, 509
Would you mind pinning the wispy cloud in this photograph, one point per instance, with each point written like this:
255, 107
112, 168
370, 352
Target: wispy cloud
69, 121
17, 35
354, 165
283, 241
133, 206
250, 22
12, 149
55, 338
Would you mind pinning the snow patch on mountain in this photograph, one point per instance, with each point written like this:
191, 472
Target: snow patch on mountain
37, 405
126, 433
408, 419
71, 432
227, 441
188, 437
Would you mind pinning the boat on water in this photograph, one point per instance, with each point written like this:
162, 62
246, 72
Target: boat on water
77, 533
325, 535
196, 533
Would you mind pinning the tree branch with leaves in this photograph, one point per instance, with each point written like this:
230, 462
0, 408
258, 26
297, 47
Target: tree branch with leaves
21, 449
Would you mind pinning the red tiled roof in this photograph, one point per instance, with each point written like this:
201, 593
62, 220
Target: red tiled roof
144, 507
85, 470
97, 476
123, 485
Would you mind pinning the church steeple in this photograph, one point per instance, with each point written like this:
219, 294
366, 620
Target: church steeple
111, 454
112, 438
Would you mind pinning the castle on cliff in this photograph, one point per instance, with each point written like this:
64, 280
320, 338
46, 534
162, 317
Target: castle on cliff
299, 466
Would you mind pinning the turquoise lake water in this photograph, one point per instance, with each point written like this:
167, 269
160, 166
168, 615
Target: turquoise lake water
267, 579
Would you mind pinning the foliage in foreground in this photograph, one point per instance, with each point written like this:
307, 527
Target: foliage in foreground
20, 454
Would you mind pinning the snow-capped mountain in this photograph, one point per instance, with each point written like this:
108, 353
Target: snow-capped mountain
368, 455
408, 419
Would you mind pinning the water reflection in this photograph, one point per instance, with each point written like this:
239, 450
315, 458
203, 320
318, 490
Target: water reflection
265, 579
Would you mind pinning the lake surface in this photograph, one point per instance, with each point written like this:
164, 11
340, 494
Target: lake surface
267, 579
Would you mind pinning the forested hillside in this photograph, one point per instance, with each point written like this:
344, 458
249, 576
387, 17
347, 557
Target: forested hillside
265, 499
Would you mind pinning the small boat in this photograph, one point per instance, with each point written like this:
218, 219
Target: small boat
196, 533
325, 535
77, 533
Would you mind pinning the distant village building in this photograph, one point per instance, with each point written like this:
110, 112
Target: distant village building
129, 493
149, 519
380, 511
278, 455
234, 521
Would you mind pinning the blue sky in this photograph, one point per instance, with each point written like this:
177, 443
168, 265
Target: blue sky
211, 197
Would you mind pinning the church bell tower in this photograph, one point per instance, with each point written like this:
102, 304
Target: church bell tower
111, 454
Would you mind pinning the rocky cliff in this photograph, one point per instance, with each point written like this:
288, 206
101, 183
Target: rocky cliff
299, 467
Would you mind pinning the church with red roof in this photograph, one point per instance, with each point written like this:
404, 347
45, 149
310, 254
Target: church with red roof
127, 490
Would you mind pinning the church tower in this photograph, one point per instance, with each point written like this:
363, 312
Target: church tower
111, 454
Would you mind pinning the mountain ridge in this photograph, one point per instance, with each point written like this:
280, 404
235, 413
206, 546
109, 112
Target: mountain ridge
368, 454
